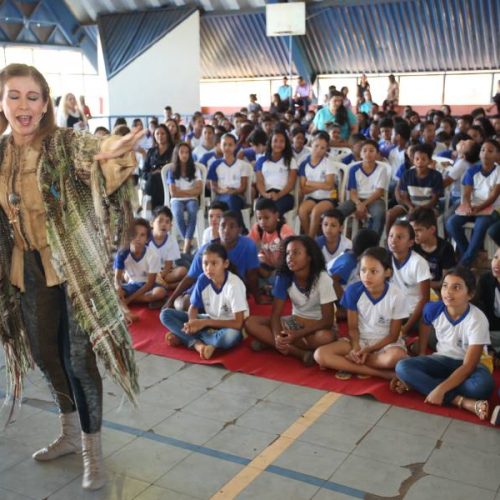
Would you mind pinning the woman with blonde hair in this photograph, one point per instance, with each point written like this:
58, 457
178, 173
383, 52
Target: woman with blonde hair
69, 113
60, 193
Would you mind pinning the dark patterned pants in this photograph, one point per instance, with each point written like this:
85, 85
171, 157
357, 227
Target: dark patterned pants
60, 348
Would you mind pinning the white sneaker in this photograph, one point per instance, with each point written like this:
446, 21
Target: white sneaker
94, 477
68, 442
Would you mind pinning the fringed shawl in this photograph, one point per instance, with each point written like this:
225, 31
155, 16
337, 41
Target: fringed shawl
83, 223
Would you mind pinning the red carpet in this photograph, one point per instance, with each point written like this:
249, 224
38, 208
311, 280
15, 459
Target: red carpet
148, 336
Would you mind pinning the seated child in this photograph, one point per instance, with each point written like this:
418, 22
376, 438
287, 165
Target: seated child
438, 252
229, 176
411, 273
367, 184
302, 278
185, 184
222, 296
480, 202
385, 143
344, 269
335, 132
268, 234
421, 186
207, 145
332, 242
276, 172
137, 266
215, 211
242, 254
299, 141
258, 141
454, 373
355, 143
487, 298
317, 185
375, 309
167, 248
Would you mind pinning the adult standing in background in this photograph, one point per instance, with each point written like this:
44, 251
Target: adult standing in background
303, 94
57, 300
393, 91
285, 91
69, 114
363, 86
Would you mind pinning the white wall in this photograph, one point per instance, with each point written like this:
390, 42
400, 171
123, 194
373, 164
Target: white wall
166, 73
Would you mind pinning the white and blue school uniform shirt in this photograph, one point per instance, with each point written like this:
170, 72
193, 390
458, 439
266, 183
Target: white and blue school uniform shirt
455, 336
346, 266
183, 183
408, 275
342, 245
305, 305
208, 158
421, 189
457, 172
275, 173
168, 249
482, 183
200, 151
137, 268
220, 303
317, 173
228, 176
195, 141
244, 256
396, 158
374, 315
367, 183
300, 156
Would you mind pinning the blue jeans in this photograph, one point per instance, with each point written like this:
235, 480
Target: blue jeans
469, 249
234, 201
376, 209
224, 338
424, 373
494, 233
191, 207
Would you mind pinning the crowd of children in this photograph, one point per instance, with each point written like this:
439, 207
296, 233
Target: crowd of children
404, 283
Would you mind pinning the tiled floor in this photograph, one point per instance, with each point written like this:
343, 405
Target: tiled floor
197, 427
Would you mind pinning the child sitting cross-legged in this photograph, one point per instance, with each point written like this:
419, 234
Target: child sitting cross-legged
268, 234
137, 266
302, 278
332, 242
167, 248
222, 295
411, 273
375, 309
453, 375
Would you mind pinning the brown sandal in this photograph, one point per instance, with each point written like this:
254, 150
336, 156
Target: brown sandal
398, 386
171, 340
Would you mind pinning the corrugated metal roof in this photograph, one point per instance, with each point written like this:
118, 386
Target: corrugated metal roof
415, 35
125, 36
371, 36
235, 45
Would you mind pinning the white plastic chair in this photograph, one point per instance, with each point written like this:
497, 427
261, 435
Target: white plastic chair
200, 215
338, 154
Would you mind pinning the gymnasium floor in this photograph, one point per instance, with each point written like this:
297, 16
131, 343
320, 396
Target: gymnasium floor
204, 432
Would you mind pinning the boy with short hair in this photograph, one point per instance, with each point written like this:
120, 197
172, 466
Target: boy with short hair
367, 184
332, 242
421, 186
136, 268
167, 248
356, 142
385, 143
438, 252
215, 211
207, 145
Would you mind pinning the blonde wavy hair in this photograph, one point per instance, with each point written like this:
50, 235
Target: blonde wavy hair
47, 123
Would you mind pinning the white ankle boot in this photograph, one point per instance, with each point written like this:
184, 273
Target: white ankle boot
93, 466
68, 442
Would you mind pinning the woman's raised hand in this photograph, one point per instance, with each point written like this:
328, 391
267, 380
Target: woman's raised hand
121, 146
